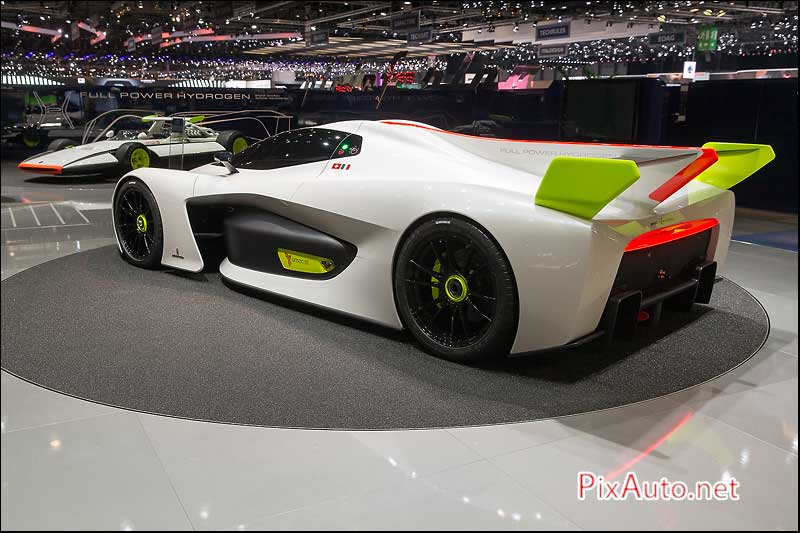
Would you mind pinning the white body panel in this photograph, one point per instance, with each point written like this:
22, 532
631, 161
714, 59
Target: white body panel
101, 153
564, 266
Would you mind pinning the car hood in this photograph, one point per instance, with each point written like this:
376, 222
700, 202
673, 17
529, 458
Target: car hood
69, 155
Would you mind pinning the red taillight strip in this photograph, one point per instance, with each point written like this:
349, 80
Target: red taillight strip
685, 175
670, 233
437, 130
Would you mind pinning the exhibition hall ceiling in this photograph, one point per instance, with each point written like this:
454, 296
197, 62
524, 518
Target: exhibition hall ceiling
106, 34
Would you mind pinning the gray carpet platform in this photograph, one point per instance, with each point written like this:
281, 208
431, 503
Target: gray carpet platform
93, 326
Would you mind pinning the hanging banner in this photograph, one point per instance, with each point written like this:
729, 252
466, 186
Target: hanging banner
553, 31
707, 39
661, 39
552, 50
406, 22
317, 38
155, 35
419, 37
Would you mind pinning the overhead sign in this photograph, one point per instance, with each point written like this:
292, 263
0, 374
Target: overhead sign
661, 39
707, 39
552, 50
316, 38
553, 31
420, 36
689, 68
131, 44
405, 22
155, 35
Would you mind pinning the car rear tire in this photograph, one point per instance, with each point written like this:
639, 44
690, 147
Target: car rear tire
455, 291
233, 141
137, 224
132, 156
61, 144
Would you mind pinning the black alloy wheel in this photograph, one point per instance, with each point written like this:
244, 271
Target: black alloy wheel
455, 291
137, 223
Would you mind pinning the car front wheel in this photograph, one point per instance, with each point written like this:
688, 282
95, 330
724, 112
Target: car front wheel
137, 223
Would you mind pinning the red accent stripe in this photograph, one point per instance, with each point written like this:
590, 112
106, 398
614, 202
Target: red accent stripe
670, 233
435, 130
41, 169
685, 175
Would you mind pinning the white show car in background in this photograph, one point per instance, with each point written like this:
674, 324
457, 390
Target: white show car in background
171, 142
478, 246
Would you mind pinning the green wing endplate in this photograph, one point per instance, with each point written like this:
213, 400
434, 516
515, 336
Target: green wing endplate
582, 186
737, 161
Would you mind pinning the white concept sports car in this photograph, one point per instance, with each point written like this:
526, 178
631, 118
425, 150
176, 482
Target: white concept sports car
169, 142
478, 246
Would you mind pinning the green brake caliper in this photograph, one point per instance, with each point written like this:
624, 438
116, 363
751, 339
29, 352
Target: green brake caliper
437, 267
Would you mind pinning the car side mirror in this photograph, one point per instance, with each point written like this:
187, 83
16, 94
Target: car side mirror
109, 134
224, 158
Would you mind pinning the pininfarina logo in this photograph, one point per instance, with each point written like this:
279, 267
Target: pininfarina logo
177, 254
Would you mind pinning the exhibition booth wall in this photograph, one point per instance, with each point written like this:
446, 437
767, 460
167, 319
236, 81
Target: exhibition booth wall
641, 111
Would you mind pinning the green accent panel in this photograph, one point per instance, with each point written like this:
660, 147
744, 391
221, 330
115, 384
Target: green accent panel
302, 262
149, 117
582, 186
737, 161
198, 118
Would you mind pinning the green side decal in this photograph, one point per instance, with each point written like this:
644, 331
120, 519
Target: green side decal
737, 161
582, 186
306, 263
198, 118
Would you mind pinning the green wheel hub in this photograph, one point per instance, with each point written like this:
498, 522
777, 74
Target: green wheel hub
139, 158
456, 288
239, 144
141, 223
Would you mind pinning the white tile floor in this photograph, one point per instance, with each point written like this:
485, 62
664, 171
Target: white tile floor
71, 464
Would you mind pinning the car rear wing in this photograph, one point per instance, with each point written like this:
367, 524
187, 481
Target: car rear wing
583, 179
585, 186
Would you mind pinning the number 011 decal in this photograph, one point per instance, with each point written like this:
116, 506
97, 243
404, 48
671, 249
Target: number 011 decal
340, 166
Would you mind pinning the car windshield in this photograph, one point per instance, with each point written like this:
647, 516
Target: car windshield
296, 147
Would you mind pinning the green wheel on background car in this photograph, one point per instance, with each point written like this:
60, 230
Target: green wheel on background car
61, 144
234, 141
239, 144
139, 158
134, 155
31, 138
